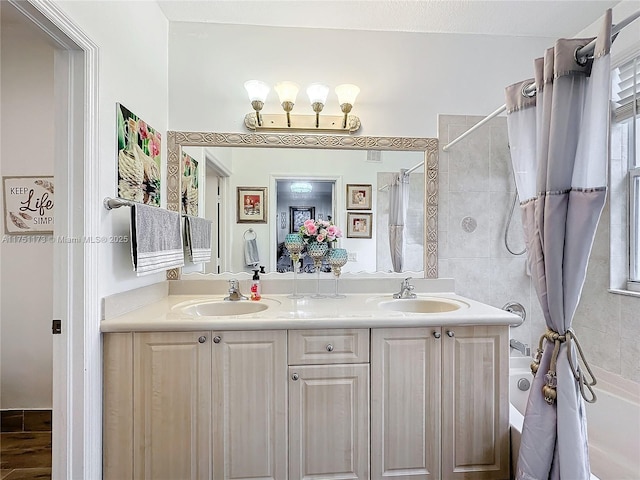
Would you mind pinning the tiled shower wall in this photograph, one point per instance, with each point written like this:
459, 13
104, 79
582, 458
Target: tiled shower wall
476, 194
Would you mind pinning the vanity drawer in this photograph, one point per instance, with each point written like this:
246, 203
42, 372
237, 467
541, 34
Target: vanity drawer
317, 347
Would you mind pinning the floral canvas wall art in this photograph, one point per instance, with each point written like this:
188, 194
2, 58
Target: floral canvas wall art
189, 185
139, 156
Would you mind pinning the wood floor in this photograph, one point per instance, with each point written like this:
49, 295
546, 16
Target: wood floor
25, 445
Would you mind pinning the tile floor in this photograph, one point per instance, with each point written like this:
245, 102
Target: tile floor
25, 444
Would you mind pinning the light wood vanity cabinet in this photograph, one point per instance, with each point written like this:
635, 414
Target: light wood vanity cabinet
249, 405
475, 405
439, 403
306, 404
195, 405
329, 404
405, 403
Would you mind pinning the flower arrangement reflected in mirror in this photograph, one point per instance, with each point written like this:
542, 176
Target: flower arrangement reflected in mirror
317, 234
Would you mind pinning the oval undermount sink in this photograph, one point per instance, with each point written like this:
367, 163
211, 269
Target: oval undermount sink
421, 305
220, 308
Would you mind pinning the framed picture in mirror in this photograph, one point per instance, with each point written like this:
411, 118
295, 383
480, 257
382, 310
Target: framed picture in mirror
252, 204
358, 197
298, 215
359, 225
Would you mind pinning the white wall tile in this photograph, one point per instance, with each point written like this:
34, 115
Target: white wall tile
471, 275
464, 244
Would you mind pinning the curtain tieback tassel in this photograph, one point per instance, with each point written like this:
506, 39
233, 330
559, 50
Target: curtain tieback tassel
549, 388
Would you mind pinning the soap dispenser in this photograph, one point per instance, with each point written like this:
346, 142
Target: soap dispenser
255, 286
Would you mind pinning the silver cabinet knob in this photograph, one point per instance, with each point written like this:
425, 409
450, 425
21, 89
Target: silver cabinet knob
329, 348
436, 335
202, 339
217, 339
295, 376
450, 333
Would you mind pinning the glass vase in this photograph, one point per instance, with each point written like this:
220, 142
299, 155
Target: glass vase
294, 244
337, 259
317, 250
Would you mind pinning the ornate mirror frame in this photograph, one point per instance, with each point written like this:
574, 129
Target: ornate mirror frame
176, 140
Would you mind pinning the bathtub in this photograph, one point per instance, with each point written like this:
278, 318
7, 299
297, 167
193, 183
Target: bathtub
613, 422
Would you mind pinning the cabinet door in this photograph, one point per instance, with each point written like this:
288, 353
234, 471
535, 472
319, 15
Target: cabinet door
117, 410
329, 422
405, 403
172, 405
250, 400
475, 409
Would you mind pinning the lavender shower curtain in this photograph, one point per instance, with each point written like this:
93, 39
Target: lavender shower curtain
559, 151
398, 202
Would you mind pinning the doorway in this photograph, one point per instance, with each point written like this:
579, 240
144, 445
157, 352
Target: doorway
76, 351
216, 210
26, 363
299, 199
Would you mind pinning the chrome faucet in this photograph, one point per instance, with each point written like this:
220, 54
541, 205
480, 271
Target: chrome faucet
521, 347
234, 291
405, 290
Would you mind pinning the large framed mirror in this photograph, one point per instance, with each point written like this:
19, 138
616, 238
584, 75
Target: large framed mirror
330, 163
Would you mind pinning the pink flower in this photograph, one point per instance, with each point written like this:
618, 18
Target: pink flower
310, 226
144, 131
154, 146
320, 238
331, 231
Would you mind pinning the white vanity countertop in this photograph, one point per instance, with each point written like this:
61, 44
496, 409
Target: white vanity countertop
354, 311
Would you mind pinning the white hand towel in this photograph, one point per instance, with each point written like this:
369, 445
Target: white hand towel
156, 239
251, 257
198, 238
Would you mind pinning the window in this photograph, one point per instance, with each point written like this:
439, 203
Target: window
626, 97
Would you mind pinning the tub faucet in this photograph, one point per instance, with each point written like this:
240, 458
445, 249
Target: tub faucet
234, 291
521, 347
405, 290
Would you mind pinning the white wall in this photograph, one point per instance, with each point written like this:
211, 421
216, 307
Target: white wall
406, 79
27, 268
132, 40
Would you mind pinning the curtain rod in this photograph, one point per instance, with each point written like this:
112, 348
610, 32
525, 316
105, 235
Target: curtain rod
581, 54
415, 167
406, 172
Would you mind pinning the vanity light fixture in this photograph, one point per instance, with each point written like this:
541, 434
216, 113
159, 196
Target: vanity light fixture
347, 94
287, 93
258, 92
317, 97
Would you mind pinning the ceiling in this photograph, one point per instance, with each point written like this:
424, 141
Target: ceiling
539, 18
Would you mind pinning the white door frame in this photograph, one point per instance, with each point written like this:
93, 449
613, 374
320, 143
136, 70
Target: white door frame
77, 352
225, 212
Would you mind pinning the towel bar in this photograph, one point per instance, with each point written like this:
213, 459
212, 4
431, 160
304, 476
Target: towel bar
111, 203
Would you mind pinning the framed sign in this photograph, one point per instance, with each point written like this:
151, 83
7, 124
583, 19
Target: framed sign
358, 197
359, 225
298, 215
28, 205
252, 204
